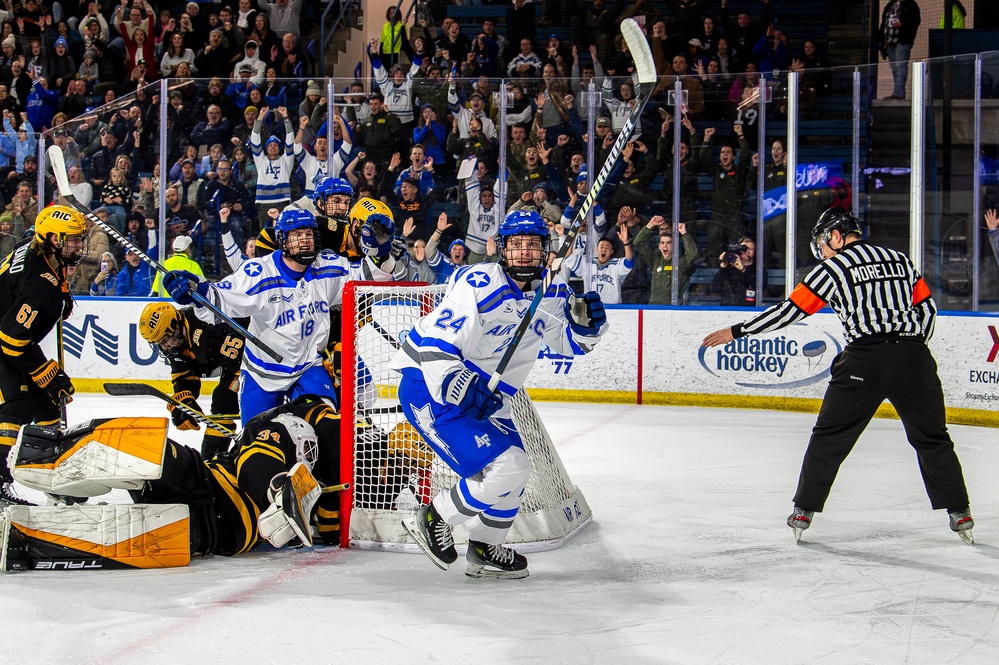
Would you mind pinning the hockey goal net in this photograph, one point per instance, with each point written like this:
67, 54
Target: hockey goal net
391, 470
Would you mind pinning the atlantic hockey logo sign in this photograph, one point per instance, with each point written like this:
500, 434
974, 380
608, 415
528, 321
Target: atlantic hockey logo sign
105, 343
796, 356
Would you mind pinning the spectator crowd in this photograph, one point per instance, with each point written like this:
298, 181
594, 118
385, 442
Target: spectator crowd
421, 128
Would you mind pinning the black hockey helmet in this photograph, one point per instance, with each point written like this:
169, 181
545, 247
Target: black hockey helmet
833, 219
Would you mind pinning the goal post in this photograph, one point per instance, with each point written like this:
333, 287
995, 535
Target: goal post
391, 470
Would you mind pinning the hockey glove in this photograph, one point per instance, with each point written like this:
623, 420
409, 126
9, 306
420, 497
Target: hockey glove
293, 495
180, 283
181, 420
54, 382
466, 390
585, 313
399, 248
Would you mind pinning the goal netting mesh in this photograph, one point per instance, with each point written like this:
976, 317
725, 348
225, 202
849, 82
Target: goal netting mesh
392, 471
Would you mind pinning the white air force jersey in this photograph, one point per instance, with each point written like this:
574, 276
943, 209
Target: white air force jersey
273, 176
290, 316
314, 170
607, 278
475, 322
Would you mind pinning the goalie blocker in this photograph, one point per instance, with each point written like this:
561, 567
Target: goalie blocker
183, 504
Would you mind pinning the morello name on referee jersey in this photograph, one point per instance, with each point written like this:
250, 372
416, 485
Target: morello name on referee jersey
877, 293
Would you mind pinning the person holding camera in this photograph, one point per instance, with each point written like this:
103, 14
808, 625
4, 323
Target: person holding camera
736, 280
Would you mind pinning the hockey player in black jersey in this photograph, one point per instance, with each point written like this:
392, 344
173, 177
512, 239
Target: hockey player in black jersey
267, 488
33, 299
196, 349
338, 229
887, 314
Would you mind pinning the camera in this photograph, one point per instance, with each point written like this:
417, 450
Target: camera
732, 253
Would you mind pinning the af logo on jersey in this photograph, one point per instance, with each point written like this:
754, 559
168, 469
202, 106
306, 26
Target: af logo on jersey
478, 279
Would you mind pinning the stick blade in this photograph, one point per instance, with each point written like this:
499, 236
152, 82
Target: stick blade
128, 389
54, 154
645, 64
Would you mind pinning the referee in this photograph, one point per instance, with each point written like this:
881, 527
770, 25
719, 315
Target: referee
887, 315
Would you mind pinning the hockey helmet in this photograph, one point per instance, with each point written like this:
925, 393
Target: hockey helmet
303, 436
332, 197
833, 219
377, 227
292, 219
523, 223
63, 222
161, 324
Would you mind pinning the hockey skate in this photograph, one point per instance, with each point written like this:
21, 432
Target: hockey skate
800, 520
495, 561
962, 523
433, 535
8, 497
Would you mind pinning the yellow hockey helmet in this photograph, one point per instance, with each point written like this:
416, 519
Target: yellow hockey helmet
158, 321
63, 222
365, 208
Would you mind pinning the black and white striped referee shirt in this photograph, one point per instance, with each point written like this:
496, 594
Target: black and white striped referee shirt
877, 293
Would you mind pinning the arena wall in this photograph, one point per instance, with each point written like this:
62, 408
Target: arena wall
651, 355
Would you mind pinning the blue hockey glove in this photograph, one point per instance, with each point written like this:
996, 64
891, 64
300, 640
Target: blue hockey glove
179, 284
585, 314
470, 393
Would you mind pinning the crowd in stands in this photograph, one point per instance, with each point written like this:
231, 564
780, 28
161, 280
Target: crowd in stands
246, 115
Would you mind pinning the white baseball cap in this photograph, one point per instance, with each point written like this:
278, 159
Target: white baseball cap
181, 243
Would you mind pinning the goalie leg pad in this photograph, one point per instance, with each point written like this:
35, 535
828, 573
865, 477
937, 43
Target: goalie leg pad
92, 458
94, 537
293, 496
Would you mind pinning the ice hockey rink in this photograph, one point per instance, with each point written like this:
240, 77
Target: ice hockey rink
688, 560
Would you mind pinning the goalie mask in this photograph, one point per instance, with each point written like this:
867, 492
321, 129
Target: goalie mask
303, 436
296, 246
372, 222
332, 198
522, 256
162, 326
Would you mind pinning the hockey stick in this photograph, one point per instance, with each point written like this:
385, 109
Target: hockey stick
62, 180
646, 67
329, 489
61, 359
134, 389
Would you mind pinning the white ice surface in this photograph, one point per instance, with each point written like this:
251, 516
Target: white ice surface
688, 560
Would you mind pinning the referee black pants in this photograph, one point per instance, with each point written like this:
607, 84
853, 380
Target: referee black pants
863, 376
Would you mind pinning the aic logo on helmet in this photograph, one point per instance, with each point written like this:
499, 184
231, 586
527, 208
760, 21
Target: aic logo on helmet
796, 356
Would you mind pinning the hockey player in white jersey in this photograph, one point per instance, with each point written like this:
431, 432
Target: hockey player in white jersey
446, 362
287, 296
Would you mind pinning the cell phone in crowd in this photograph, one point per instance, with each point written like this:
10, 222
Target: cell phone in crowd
104, 265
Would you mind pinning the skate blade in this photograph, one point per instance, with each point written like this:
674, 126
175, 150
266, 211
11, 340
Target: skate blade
481, 572
967, 536
797, 534
418, 538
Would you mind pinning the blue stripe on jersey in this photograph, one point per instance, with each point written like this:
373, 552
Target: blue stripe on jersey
503, 386
560, 290
327, 272
470, 500
496, 298
576, 349
501, 514
270, 283
433, 342
461, 271
274, 367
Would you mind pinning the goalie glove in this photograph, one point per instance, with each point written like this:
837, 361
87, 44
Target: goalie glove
585, 313
182, 420
376, 236
293, 495
466, 390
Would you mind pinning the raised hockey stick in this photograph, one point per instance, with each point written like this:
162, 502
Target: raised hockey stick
134, 389
646, 67
62, 180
